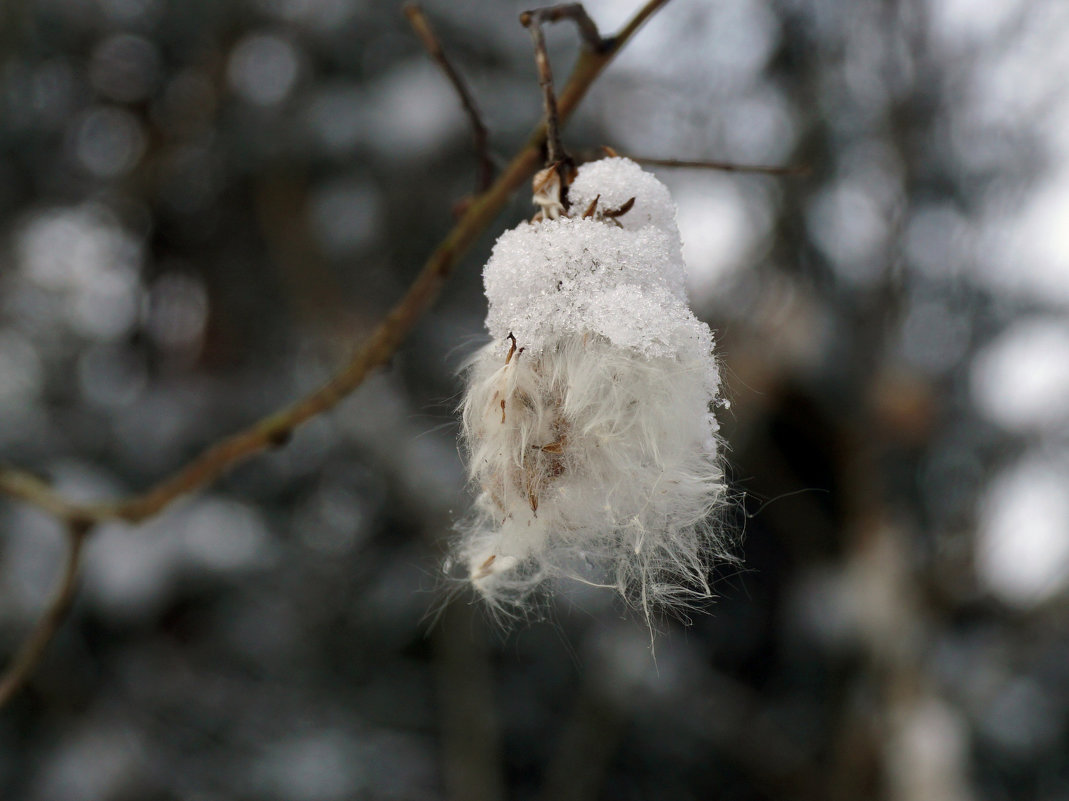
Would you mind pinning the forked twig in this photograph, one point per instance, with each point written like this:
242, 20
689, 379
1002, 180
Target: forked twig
277, 428
588, 31
559, 165
576, 13
430, 42
554, 149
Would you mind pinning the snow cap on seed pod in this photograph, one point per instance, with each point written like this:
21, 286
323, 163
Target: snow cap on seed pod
557, 276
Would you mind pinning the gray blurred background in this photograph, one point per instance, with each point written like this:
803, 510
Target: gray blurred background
203, 205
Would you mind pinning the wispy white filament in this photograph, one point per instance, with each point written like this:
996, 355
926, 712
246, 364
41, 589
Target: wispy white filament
587, 422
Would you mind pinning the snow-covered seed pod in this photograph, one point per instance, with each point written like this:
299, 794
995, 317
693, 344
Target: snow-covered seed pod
587, 421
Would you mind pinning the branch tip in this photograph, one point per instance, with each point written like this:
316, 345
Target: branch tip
33, 648
422, 28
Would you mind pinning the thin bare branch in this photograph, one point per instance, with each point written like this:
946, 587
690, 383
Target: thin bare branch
276, 429
33, 647
556, 156
433, 46
724, 166
554, 149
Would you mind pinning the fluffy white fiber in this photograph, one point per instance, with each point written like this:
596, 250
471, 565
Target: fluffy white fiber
587, 420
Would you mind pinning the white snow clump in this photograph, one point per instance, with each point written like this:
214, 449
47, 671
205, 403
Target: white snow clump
587, 421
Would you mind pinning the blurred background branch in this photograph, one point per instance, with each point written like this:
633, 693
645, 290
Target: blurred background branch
277, 429
29, 654
420, 24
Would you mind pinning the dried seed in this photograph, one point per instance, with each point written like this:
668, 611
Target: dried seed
591, 208
620, 212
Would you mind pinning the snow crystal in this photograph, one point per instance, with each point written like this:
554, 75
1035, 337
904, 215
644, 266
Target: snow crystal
622, 278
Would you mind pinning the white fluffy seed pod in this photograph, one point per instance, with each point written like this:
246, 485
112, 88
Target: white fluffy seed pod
587, 421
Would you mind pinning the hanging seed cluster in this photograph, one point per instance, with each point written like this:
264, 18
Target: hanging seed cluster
587, 422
